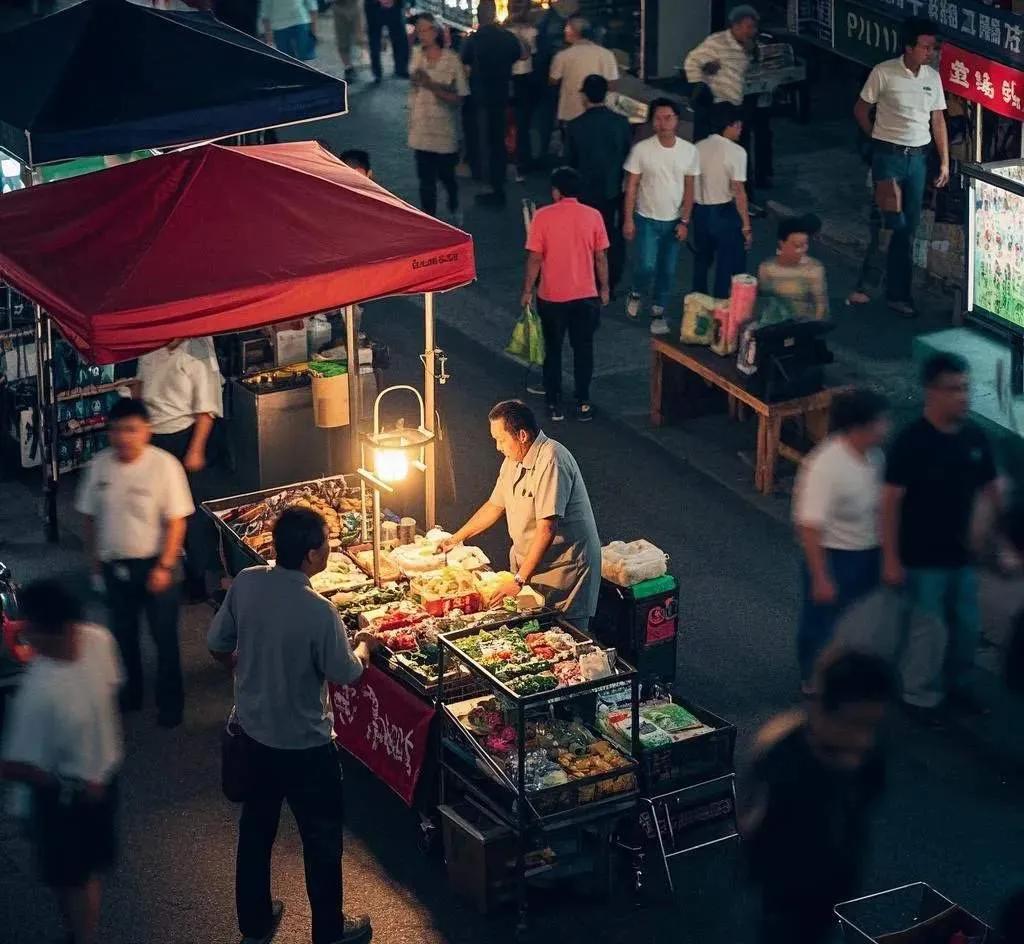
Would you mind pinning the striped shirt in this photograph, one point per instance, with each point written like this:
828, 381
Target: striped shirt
732, 56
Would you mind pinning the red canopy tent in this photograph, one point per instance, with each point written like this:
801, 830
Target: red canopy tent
217, 239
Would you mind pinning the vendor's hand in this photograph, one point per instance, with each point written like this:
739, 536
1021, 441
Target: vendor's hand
943, 177
711, 68
159, 579
823, 590
509, 589
366, 638
748, 237
682, 231
628, 229
606, 296
449, 543
194, 461
893, 574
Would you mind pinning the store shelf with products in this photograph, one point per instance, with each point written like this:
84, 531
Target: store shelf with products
94, 390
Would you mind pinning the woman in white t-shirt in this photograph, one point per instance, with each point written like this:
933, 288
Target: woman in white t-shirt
836, 514
438, 84
63, 740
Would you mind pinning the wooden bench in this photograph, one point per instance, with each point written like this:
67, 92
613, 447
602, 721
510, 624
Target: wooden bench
721, 372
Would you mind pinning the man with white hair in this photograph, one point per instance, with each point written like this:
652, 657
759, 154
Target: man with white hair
717, 68
571, 66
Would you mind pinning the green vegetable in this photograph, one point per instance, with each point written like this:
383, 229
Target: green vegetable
328, 368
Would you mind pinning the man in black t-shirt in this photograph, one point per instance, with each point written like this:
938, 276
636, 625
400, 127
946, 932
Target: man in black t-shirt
490, 53
937, 468
814, 776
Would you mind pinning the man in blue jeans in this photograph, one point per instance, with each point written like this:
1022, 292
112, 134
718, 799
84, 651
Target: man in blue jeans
660, 175
907, 96
938, 467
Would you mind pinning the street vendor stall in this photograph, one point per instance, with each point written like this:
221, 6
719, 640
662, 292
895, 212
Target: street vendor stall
217, 239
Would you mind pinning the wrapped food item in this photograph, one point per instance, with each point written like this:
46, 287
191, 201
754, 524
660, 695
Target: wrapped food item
468, 558
398, 640
341, 573
351, 603
397, 615
533, 684
362, 554
668, 716
489, 582
567, 673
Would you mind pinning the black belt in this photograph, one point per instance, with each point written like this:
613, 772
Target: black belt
899, 148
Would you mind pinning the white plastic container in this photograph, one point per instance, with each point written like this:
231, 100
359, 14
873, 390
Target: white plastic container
627, 564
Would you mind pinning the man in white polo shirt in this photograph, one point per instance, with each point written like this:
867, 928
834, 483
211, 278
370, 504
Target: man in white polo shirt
571, 66
721, 215
836, 514
907, 96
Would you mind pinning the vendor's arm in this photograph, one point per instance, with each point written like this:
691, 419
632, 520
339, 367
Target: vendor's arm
542, 539
207, 405
195, 456
486, 516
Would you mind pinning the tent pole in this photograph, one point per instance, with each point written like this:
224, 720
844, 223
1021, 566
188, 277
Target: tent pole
354, 387
428, 409
46, 399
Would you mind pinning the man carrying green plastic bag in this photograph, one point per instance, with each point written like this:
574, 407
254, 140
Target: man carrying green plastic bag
567, 249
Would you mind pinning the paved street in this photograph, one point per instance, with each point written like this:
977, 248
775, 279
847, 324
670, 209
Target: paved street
952, 815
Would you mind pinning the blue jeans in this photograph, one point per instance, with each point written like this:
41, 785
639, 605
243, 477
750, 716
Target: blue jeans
656, 253
909, 170
938, 655
855, 574
718, 239
296, 41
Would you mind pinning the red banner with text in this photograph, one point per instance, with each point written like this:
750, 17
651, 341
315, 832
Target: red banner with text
384, 725
994, 86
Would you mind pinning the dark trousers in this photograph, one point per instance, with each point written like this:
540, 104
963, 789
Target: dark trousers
611, 212
525, 94
579, 318
377, 18
701, 101
491, 158
547, 111
127, 600
909, 170
200, 532
757, 141
430, 168
855, 574
310, 780
718, 239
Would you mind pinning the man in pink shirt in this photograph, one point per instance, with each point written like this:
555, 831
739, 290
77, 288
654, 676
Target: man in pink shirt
567, 246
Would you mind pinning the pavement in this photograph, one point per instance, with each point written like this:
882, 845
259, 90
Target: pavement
951, 816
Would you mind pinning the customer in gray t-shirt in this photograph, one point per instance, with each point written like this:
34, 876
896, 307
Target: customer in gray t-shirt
284, 641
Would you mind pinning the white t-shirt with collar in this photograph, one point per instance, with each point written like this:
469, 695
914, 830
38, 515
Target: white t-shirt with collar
722, 162
904, 101
180, 384
131, 502
838, 491
663, 172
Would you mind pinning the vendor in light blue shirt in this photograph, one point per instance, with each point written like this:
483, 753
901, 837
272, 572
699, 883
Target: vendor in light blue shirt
290, 25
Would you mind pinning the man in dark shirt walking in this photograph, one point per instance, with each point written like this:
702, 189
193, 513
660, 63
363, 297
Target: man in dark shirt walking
490, 53
381, 15
598, 143
937, 469
815, 774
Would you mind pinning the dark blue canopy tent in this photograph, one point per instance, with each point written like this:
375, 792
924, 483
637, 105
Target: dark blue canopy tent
111, 76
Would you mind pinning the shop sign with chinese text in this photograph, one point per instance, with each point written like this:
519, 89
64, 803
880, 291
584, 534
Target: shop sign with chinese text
864, 35
996, 34
996, 87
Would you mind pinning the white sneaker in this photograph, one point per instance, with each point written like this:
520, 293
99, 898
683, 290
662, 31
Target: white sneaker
633, 306
659, 326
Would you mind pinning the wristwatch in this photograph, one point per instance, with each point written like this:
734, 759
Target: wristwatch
519, 580
684, 222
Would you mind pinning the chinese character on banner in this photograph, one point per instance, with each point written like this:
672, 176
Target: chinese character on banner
1010, 95
934, 10
958, 74
1012, 37
988, 29
949, 14
967, 24
983, 83
915, 6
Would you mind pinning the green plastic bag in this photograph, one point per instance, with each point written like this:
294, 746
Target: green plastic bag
527, 339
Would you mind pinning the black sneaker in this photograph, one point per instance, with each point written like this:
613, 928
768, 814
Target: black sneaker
555, 414
276, 913
584, 413
926, 717
357, 930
